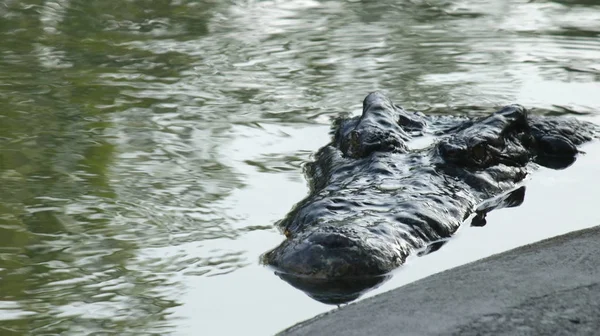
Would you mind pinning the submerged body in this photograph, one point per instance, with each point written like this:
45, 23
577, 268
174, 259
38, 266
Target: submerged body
373, 202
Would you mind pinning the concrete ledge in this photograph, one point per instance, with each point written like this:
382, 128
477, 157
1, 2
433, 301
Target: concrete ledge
547, 288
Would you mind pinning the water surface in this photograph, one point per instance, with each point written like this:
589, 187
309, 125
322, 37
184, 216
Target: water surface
147, 147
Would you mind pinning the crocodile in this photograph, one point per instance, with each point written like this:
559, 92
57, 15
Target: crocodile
374, 200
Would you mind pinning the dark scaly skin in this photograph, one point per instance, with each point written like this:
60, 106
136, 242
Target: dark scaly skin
373, 202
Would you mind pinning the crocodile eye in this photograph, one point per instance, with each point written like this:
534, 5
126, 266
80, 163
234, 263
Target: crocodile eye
479, 152
287, 233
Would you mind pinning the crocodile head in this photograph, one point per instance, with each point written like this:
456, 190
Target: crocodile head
374, 200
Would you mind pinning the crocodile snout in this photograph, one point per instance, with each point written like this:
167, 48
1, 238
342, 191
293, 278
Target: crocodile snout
331, 240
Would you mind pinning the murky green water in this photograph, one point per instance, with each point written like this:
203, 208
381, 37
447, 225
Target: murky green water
147, 147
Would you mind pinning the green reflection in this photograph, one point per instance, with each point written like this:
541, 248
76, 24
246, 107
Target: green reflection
67, 262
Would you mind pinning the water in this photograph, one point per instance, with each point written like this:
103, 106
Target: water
147, 147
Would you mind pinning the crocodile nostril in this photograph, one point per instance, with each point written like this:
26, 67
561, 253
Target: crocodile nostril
331, 240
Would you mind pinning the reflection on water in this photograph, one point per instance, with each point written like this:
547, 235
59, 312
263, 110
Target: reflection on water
147, 147
333, 291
